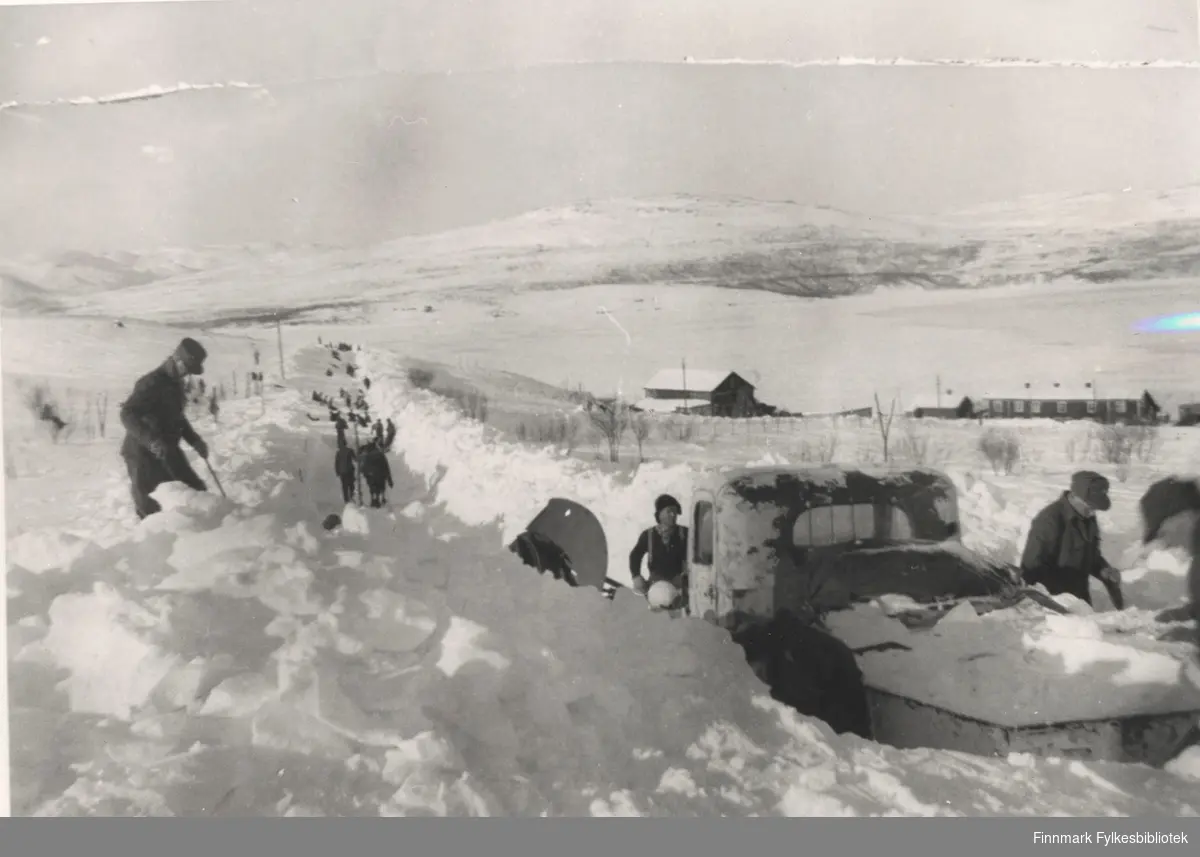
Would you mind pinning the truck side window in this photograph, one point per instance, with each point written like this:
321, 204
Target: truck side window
703, 525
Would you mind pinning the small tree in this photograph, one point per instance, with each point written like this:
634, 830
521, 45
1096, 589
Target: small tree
610, 422
1001, 448
101, 405
885, 427
639, 427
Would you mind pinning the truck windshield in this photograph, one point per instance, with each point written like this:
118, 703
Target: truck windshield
823, 526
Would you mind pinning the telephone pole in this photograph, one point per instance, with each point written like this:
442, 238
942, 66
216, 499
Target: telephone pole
683, 366
279, 339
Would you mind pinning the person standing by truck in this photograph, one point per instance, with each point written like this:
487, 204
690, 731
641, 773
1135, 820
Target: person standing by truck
1063, 548
664, 546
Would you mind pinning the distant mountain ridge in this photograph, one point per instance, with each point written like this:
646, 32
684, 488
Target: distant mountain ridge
784, 247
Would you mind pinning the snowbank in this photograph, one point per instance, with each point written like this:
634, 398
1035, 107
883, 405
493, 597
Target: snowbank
231, 657
484, 481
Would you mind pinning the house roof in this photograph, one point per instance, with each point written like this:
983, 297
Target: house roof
670, 406
700, 380
1048, 392
948, 404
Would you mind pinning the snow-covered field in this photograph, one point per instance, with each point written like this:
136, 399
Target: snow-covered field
232, 657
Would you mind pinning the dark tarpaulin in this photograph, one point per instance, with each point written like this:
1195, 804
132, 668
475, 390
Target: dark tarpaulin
575, 531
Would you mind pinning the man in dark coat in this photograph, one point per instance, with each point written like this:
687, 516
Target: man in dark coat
155, 423
343, 466
666, 546
377, 473
1063, 549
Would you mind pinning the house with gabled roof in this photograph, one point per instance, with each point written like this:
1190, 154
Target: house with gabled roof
705, 392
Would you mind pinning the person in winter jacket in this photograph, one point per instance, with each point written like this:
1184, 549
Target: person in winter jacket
376, 472
343, 466
665, 545
1063, 549
1171, 512
155, 423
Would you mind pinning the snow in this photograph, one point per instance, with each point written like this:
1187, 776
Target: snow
229, 656
1021, 666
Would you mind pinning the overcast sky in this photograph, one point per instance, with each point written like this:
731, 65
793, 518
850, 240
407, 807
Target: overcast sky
62, 51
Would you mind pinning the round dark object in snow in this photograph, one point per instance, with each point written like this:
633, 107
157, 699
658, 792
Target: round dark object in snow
331, 522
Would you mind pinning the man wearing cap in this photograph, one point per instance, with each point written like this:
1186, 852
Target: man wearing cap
1063, 549
155, 423
665, 544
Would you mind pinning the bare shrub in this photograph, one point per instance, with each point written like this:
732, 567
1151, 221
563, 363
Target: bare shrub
916, 444
610, 422
822, 449
1122, 445
678, 428
639, 427
1072, 451
554, 429
1002, 449
472, 402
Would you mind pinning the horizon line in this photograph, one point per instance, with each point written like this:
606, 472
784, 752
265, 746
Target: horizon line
152, 91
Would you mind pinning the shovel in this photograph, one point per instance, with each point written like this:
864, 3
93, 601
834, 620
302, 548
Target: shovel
213, 474
1113, 587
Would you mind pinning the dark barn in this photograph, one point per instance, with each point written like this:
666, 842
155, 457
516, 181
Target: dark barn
702, 392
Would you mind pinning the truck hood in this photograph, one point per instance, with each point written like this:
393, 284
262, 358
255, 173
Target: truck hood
924, 572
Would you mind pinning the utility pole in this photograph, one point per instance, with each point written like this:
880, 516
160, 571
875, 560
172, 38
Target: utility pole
279, 338
939, 392
683, 365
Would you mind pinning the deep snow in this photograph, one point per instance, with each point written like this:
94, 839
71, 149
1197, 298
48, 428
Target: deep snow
230, 657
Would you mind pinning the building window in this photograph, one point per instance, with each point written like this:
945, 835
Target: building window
1035, 407
1091, 406
1019, 407
1120, 404
1062, 407
997, 406
703, 523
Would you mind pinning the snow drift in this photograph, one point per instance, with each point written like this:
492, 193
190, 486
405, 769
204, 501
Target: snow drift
230, 657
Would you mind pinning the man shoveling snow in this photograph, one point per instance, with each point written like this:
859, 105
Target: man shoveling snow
1063, 548
155, 423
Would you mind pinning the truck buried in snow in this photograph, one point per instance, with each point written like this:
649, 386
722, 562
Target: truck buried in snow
774, 553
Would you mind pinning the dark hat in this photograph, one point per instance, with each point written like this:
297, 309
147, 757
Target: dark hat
1092, 488
192, 354
1165, 499
666, 501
